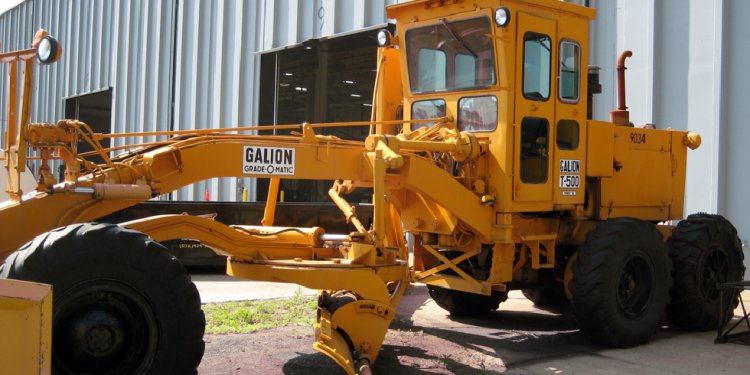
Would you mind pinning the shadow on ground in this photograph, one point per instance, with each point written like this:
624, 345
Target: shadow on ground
423, 339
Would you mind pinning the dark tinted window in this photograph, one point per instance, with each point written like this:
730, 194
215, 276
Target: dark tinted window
534, 150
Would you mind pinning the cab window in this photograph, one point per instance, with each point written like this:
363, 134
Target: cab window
427, 109
570, 67
567, 135
477, 114
537, 52
431, 69
465, 70
534, 150
451, 55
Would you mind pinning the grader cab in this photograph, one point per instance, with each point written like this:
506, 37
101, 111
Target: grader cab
479, 149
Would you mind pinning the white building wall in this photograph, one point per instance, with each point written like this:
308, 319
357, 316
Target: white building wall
603, 53
689, 72
735, 112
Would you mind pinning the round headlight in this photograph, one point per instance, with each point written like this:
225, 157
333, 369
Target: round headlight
384, 38
502, 16
46, 51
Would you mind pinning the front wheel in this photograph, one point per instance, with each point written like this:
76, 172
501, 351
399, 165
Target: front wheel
121, 303
621, 281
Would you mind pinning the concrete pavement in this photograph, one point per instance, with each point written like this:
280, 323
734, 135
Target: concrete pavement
522, 339
222, 288
529, 340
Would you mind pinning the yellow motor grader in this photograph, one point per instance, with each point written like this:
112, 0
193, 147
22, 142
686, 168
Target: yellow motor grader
480, 148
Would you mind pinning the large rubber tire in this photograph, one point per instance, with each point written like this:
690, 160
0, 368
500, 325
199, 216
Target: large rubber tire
121, 303
549, 292
705, 252
461, 304
621, 282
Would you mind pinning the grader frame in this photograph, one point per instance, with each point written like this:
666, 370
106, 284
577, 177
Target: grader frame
500, 178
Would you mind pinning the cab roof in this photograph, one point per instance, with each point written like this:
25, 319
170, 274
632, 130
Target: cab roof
393, 11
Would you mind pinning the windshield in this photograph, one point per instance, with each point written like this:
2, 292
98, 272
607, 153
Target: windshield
451, 56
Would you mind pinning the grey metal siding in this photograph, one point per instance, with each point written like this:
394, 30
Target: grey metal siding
188, 64
735, 110
216, 66
84, 28
142, 40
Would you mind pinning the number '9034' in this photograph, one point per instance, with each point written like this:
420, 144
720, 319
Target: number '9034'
637, 138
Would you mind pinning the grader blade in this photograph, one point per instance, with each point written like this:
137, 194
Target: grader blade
352, 322
351, 331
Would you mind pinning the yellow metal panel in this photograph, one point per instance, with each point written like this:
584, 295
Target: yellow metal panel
450, 199
679, 165
388, 84
26, 326
527, 108
568, 170
600, 149
641, 185
367, 282
571, 30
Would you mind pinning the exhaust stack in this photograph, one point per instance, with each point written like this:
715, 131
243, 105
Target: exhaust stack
621, 116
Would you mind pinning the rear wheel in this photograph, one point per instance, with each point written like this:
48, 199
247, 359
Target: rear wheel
459, 303
121, 303
706, 252
621, 282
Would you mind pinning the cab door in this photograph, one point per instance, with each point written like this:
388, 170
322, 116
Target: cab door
534, 109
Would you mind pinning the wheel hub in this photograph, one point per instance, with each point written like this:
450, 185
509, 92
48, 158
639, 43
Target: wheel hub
634, 286
98, 333
715, 272
102, 327
100, 339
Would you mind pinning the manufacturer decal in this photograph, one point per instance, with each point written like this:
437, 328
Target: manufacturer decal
570, 177
268, 160
570, 166
569, 193
570, 181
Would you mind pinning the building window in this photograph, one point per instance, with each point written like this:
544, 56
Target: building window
570, 67
537, 52
95, 110
319, 81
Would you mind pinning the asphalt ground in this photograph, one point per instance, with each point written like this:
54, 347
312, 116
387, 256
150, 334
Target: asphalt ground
518, 339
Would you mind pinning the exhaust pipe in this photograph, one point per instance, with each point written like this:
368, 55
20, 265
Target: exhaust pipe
621, 116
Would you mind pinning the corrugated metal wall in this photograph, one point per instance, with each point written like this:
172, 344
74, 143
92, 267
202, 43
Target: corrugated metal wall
15, 33
217, 69
143, 40
215, 74
84, 29
182, 64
